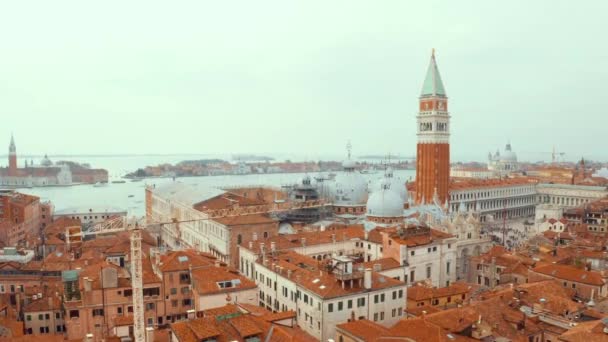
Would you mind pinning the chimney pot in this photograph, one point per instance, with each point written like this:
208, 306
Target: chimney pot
367, 278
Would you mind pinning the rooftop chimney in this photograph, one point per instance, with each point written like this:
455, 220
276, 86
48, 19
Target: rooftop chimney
87, 287
149, 334
273, 246
367, 279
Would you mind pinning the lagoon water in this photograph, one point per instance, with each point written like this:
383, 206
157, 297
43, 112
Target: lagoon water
118, 195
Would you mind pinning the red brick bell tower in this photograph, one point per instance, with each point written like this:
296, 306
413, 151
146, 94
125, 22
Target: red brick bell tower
433, 149
12, 158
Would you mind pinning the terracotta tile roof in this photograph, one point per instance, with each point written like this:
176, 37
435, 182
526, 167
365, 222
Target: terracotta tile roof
586, 332
419, 239
226, 201
45, 304
228, 323
245, 219
205, 280
421, 329
310, 274
558, 299
571, 273
384, 264
59, 225
421, 292
182, 260
422, 310
375, 236
364, 329
245, 327
279, 316
38, 338
290, 241
222, 310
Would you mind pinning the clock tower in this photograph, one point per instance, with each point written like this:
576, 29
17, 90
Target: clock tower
433, 148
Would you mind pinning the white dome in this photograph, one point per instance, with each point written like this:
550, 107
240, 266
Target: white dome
384, 203
46, 161
349, 188
508, 156
396, 184
349, 164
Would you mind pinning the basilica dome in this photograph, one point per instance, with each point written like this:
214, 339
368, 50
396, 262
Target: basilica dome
46, 161
385, 202
508, 155
349, 187
396, 183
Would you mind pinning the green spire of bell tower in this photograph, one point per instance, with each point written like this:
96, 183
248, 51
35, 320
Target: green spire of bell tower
433, 86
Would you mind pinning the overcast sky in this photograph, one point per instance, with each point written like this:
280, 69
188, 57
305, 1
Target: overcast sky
301, 77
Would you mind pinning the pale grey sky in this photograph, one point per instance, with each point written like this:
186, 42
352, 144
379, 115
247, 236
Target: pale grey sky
300, 77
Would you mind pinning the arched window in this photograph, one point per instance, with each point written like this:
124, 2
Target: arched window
265, 235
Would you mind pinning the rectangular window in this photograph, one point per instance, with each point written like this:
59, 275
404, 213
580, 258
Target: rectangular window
447, 267
330, 307
361, 302
97, 312
394, 295
400, 293
375, 299
382, 298
382, 316
428, 271
412, 274
349, 304
28, 317
173, 291
340, 306
375, 317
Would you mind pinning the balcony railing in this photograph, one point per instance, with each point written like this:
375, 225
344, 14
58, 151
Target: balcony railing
342, 275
